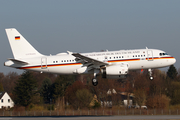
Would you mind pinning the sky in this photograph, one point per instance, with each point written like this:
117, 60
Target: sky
55, 26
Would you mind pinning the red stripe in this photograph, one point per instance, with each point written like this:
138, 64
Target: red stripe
39, 66
125, 60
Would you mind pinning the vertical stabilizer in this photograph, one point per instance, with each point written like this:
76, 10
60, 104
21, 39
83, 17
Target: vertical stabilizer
20, 47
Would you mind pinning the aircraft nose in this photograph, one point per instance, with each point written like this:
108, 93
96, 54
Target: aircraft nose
173, 60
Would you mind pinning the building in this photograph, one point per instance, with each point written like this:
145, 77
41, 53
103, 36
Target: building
5, 101
107, 101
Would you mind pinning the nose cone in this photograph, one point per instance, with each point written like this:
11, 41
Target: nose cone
170, 61
173, 60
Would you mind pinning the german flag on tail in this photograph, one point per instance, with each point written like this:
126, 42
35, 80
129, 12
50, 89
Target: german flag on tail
17, 38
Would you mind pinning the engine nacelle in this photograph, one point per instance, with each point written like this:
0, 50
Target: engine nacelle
81, 70
115, 71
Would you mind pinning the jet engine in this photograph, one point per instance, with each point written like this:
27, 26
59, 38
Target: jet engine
115, 71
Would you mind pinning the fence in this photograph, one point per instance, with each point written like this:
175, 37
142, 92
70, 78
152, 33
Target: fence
91, 112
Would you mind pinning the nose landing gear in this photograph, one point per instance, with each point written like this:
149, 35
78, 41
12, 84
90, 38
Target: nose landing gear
151, 78
150, 74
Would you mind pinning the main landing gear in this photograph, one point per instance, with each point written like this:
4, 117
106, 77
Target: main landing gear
150, 74
94, 80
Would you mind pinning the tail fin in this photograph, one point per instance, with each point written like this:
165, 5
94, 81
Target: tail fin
20, 47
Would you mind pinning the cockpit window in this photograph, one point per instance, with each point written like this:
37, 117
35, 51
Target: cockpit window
163, 54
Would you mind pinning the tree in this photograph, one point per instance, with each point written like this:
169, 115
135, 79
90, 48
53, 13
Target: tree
71, 94
140, 96
1, 87
25, 89
46, 91
157, 86
59, 88
60, 85
158, 102
172, 72
9, 80
1, 76
84, 97
174, 92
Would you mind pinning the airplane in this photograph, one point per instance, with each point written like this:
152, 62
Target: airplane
111, 64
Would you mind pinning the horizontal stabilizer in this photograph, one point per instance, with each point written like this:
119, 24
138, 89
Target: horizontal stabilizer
18, 61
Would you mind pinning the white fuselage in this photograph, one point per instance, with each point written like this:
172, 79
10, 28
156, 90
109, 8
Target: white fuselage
111, 64
65, 63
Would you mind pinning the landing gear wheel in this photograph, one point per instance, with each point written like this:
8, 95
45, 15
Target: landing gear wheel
151, 78
94, 81
150, 74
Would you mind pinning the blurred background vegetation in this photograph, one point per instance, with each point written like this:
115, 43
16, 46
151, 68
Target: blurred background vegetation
36, 91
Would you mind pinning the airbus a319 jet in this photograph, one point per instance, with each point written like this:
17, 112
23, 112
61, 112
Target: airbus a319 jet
111, 64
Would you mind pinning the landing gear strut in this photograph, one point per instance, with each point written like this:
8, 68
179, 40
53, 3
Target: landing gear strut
94, 80
150, 74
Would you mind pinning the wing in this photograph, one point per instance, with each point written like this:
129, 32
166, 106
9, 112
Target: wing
89, 62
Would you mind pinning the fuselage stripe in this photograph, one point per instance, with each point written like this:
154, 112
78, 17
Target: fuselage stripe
110, 61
